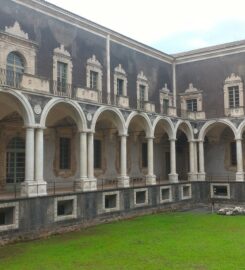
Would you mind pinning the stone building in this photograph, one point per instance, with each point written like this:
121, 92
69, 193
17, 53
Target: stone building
84, 108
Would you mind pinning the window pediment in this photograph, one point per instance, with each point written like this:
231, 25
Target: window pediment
16, 30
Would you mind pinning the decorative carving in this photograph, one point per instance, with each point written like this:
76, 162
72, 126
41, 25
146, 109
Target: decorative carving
165, 89
93, 61
191, 89
37, 109
233, 79
16, 31
142, 77
61, 50
120, 70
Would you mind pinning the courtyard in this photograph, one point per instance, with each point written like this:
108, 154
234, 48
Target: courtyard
195, 240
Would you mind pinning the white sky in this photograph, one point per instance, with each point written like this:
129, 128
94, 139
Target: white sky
170, 26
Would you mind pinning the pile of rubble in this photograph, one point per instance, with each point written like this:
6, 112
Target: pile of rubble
232, 211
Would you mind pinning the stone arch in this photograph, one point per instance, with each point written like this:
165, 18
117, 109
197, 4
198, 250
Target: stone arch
117, 119
186, 127
167, 124
78, 114
240, 130
208, 125
147, 126
25, 108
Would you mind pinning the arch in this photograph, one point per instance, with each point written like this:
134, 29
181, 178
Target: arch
118, 120
208, 125
240, 129
79, 114
146, 123
26, 109
167, 123
187, 129
19, 54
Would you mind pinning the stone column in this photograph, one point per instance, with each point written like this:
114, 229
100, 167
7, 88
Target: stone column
41, 184
28, 188
150, 177
123, 179
192, 175
83, 164
201, 174
108, 60
91, 183
173, 176
239, 154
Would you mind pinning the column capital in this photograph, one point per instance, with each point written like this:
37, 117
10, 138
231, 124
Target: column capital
122, 135
238, 139
172, 139
150, 137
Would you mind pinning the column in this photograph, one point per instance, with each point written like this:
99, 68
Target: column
41, 184
191, 174
27, 189
150, 178
91, 184
239, 154
123, 179
201, 174
173, 176
108, 70
83, 165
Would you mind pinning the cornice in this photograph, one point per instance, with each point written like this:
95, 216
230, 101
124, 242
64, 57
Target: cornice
85, 24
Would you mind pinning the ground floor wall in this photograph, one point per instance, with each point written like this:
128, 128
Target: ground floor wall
34, 217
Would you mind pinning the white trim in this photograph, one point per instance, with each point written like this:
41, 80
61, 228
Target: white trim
182, 195
117, 207
218, 196
170, 199
15, 224
74, 206
146, 202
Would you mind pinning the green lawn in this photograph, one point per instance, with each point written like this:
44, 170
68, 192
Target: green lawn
176, 241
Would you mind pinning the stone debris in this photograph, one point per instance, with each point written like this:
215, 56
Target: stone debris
231, 211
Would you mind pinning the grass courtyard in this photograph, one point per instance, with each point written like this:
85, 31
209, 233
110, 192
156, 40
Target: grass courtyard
176, 241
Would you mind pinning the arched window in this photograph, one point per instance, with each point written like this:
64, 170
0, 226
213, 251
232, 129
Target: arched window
15, 69
15, 163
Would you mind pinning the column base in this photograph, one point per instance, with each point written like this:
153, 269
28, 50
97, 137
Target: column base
192, 176
79, 183
89, 184
240, 176
150, 179
201, 176
123, 181
173, 178
33, 189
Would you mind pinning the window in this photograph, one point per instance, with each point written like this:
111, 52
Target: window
94, 80
61, 76
65, 208
165, 106
15, 169
120, 86
144, 155
97, 154
65, 153
191, 105
15, 69
142, 91
233, 97
233, 153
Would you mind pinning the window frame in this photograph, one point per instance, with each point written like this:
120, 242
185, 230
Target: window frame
95, 66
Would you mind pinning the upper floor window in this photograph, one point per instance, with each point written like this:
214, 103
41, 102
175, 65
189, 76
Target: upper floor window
233, 97
191, 105
94, 74
120, 84
15, 69
165, 106
120, 81
94, 80
61, 76
166, 101
142, 90
62, 72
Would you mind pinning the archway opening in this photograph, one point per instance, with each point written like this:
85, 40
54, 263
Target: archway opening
220, 153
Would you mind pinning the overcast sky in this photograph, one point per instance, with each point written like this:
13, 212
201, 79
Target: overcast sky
170, 26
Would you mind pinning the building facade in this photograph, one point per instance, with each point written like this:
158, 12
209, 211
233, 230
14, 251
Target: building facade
84, 108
